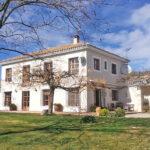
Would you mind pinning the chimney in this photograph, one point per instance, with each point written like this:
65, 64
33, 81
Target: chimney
76, 39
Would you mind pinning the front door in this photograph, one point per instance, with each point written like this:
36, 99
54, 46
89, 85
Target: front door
98, 99
46, 97
25, 100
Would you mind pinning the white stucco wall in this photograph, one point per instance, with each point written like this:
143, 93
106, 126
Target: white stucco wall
135, 98
1, 102
102, 73
36, 97
107, 76
123, 95
60, 62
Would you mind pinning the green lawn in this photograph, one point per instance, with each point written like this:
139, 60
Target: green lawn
35, 132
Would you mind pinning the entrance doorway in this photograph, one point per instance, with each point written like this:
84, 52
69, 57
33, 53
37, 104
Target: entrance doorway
25, 100
98, 97
145, 91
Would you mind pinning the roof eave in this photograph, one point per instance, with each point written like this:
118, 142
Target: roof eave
27, 58
109, 53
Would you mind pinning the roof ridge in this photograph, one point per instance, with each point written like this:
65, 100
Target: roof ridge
61, 47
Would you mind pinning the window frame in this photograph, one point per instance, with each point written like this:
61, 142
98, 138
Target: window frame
73, 67
8, 74
45, 102
26, 100
73, 102
99, 65
50, 65
26, 76
106, 67
112, 63
116, 96
8, 102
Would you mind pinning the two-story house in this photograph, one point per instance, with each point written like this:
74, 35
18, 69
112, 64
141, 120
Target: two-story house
88, 60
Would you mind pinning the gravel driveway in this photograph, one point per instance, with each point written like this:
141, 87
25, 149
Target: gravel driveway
138, 115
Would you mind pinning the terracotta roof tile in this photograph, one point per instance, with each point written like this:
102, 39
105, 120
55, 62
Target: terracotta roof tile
58, 49
46, 51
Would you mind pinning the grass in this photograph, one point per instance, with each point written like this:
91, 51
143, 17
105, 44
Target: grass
35, 132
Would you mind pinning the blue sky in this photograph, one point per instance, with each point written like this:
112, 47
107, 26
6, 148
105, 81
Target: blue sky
127, 28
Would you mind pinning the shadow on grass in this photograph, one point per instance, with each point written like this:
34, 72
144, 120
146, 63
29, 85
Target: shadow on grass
61, 124
51, 129
57, 129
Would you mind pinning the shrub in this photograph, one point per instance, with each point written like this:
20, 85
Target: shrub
93, 108
119, 112
104, 112
13, 107
88, 119
112, 114
58, 107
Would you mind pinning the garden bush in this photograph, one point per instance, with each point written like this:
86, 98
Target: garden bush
93, 108
58, 107
119, 112
104, 112
88, 119
13, 107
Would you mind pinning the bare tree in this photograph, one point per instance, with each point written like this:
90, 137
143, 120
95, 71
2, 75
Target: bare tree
21, 21
65, 80
47, 74
17, 28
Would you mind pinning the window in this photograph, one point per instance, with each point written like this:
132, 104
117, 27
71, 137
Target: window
74, 65
26, 74
73, 98
48, 66
114, 68
105, 65
114, 95
96, 64
8, 77
7, 98
46, 97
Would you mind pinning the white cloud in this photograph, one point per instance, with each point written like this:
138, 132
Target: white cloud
141, 16
53, 38
138, 39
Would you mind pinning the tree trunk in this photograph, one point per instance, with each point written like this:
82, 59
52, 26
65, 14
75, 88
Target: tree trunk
51, 100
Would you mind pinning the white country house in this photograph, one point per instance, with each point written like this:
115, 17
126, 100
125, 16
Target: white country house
90, 61
139, 91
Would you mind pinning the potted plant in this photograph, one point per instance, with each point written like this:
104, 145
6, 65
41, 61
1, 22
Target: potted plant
13, 107
98, 111
58, 107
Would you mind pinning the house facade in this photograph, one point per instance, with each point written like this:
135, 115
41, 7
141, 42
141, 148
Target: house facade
139, 91
89, 61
